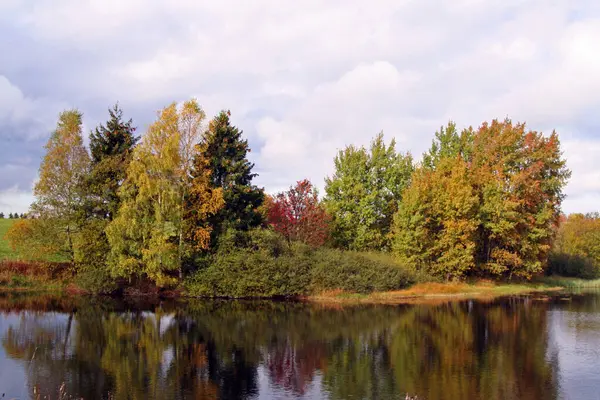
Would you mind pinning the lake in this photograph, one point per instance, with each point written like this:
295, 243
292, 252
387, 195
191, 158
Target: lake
530, 347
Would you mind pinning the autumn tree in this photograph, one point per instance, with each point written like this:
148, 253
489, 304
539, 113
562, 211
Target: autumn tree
363, 193
576, 250
147, 236
227, 156
519, 175
59, 191
298, 215
516, 177
203, 202
436, 225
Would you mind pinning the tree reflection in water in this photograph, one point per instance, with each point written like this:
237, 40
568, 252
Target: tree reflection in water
210, 350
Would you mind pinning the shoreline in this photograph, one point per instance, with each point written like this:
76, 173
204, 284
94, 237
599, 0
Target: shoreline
422, 293
437, 292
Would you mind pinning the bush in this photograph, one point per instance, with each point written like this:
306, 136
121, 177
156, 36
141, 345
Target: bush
357, 272
91, 249
265, 267
268, 266
573, 266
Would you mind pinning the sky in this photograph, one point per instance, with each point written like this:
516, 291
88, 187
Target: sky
305, 78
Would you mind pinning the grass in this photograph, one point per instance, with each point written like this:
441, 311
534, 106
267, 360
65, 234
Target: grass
6, 253
426, 292
571, 283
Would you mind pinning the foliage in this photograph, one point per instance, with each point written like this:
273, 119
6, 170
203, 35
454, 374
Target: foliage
146, 237
59, 192
357, 272
298, 215
363, 194
203, 201
576, 251
435, 228
40, 239
259, 263
110, 148
91, 250
497, 210
226, 154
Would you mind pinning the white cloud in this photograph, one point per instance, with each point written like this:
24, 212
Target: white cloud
303, 79
13, 200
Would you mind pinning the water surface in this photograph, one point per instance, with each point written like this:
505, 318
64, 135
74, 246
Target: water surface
513, 348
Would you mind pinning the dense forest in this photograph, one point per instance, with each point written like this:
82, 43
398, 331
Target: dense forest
177, 209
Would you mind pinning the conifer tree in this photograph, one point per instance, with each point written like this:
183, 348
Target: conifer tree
110, 147
226, 155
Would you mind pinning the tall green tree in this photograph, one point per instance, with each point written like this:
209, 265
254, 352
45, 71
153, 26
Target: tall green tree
363, 194
146, 237
226, 153
59, 190
111, 146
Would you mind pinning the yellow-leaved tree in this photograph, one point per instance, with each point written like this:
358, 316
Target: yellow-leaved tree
147, 237
59, 190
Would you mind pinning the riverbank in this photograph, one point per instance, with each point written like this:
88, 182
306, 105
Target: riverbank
418, 293
432, 292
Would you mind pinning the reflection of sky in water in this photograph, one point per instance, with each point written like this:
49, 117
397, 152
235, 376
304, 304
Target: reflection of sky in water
575, 336
12, 376
13, 383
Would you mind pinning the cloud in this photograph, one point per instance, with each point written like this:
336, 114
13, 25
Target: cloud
303, 79
13, 200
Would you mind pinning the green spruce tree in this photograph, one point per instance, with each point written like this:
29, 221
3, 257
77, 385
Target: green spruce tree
111, 146
226, 154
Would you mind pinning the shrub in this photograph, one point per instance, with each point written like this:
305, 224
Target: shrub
357, 272
91, 249
267, 266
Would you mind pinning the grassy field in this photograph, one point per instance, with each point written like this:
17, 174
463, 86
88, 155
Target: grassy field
6, 253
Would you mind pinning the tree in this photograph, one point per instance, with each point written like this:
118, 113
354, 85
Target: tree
146, 237
226, 154
506, 201
436, 225
298, 215
10, 216
203, 201
576, 250
59, 191
1, 215
519, 176
363, 194
111, 146
449, 143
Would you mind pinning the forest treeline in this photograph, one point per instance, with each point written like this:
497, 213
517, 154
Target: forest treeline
178, 208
